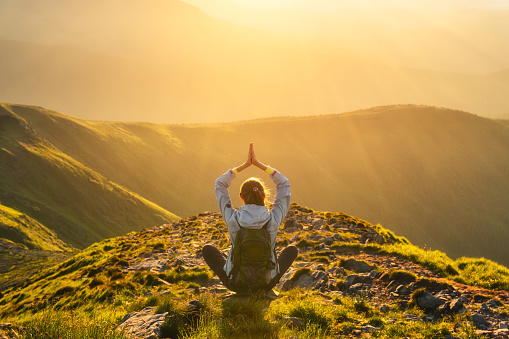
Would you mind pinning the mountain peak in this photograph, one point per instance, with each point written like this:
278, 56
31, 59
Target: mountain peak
343, 261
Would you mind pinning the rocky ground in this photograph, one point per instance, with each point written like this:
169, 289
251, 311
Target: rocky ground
324, 265
361, 272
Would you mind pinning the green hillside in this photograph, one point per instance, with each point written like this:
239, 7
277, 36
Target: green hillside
89, 295
435, 175
29, 233
52, 201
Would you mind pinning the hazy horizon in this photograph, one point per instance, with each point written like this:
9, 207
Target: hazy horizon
168, 61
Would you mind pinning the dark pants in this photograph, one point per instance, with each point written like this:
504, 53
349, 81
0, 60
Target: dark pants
215, 259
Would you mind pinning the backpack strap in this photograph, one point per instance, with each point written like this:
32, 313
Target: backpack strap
266, 225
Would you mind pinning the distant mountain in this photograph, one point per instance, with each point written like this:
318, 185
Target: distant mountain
112, 60
51, 201
434, 175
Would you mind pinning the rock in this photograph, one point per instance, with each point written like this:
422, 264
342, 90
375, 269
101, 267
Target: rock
369, 328
456, 305
318, 224
351, 279
295, 238
479, 320
402, 290
328, 240
148, 265
428, 301
500, 333
374, 273
393, 321
319, 275
293, 322
337, 237
493, 303
285, 285
479, 298
315, 280
336, 271
356, 287
316, 237
503, 325
357, 278
144, 324
391, 287
412, 317
291, 225
357, 266
193, 305
304, 281
431, 285
368, 238
445, 307
485, 308
443, 294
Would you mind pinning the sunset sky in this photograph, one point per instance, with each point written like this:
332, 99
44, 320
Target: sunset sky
323, 5
198, 61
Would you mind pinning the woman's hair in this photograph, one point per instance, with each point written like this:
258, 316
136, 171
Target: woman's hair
252, 191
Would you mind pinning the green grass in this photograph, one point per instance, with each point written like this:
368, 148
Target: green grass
27, 232
55, 292
197, 273
52, 201
470, 271
70, 325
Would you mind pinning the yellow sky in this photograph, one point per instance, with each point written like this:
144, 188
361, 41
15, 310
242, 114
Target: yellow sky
321, 5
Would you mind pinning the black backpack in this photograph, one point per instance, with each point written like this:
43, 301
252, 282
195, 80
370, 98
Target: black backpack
252, 259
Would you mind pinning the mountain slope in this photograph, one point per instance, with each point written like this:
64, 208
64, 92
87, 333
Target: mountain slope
49, 188
338, 286
435, 176
23, 230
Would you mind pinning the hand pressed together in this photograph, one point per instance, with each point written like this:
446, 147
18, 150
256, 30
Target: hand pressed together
251, 160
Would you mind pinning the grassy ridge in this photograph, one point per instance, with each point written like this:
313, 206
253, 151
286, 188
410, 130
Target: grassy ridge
78, 204
27, 232
436, 176
100, 283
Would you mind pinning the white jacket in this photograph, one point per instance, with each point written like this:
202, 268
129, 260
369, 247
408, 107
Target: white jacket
253, 216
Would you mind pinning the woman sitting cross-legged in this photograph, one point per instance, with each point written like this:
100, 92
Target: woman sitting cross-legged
252, 264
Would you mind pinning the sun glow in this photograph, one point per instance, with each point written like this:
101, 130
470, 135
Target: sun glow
326, 5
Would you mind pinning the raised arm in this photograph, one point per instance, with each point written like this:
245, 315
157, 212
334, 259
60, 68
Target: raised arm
283, 195
248, 162
223, 183
258, 163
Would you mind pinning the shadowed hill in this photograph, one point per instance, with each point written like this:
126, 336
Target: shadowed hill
50, 195
436, 176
